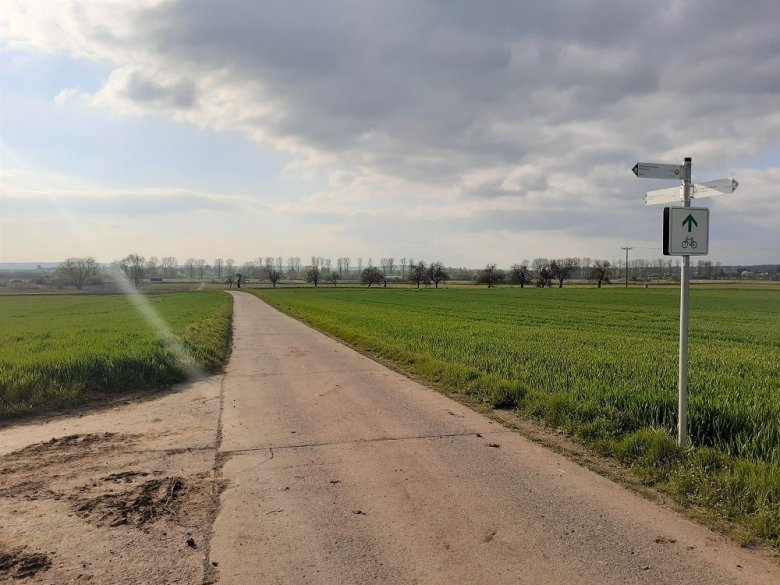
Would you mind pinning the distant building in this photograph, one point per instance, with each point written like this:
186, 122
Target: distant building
156, 279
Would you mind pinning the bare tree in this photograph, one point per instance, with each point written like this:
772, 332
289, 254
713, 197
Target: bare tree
266, 266
274, 276
313, 275
200, 267
77, 271
519, 273
418, 273
491, 276
273, 270
169, 266
360, 265
387, 264
585, 264
437, 274
601, 271
293, 266
343, 266
403, 267
152, 266
133, 267
334, 277
371, 275
218, 266
252, 268
249, 270
704, 269
541, 268
229, 263
347, 260
562, 269
326, 265
189, 267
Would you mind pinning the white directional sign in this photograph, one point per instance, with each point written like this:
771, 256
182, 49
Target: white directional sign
698, 191
658, 171
712, 188
686, 231
670, 195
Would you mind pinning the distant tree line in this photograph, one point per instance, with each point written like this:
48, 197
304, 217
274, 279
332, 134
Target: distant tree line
540, 272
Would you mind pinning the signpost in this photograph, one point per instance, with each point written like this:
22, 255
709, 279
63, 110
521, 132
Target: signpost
698, 191
686, 234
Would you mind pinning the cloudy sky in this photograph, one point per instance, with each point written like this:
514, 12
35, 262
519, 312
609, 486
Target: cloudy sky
462, 131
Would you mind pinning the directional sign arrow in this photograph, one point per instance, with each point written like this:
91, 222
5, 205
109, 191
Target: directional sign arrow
658, 171
691, 222
698, 191
716, 187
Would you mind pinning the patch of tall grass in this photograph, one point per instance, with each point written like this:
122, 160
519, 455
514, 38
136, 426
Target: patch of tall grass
58, 350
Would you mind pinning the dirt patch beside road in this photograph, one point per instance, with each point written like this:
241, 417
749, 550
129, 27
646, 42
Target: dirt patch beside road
99, 506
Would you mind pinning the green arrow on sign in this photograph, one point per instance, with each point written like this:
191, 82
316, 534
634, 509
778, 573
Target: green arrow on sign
691, 222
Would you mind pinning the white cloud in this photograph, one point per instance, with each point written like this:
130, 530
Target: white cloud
67, 95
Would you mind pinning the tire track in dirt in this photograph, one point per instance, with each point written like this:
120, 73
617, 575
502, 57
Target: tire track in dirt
120, 496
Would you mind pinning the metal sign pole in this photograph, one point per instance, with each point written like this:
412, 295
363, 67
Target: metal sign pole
686, 234
682, 396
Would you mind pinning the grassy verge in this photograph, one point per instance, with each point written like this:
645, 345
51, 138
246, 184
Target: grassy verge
60, 350
601, 365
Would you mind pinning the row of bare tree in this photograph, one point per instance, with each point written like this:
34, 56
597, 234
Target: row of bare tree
541, 271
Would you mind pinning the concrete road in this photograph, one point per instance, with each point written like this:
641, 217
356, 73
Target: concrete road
342, 471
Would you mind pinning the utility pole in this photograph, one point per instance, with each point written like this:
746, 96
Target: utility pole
626, 248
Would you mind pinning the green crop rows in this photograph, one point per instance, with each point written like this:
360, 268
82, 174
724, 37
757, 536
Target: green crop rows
602, 365
57, 350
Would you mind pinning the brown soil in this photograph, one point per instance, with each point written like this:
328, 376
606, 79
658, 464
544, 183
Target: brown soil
19, 564
99, 506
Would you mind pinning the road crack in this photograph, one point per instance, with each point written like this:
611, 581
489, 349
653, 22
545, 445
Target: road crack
356, 442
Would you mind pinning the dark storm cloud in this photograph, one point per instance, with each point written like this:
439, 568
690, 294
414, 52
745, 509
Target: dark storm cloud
143, 90
464, 85
431, 92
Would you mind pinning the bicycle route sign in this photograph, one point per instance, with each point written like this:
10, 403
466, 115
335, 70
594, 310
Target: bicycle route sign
686, 231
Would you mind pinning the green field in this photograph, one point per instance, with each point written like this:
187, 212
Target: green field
602, 365
60, 349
